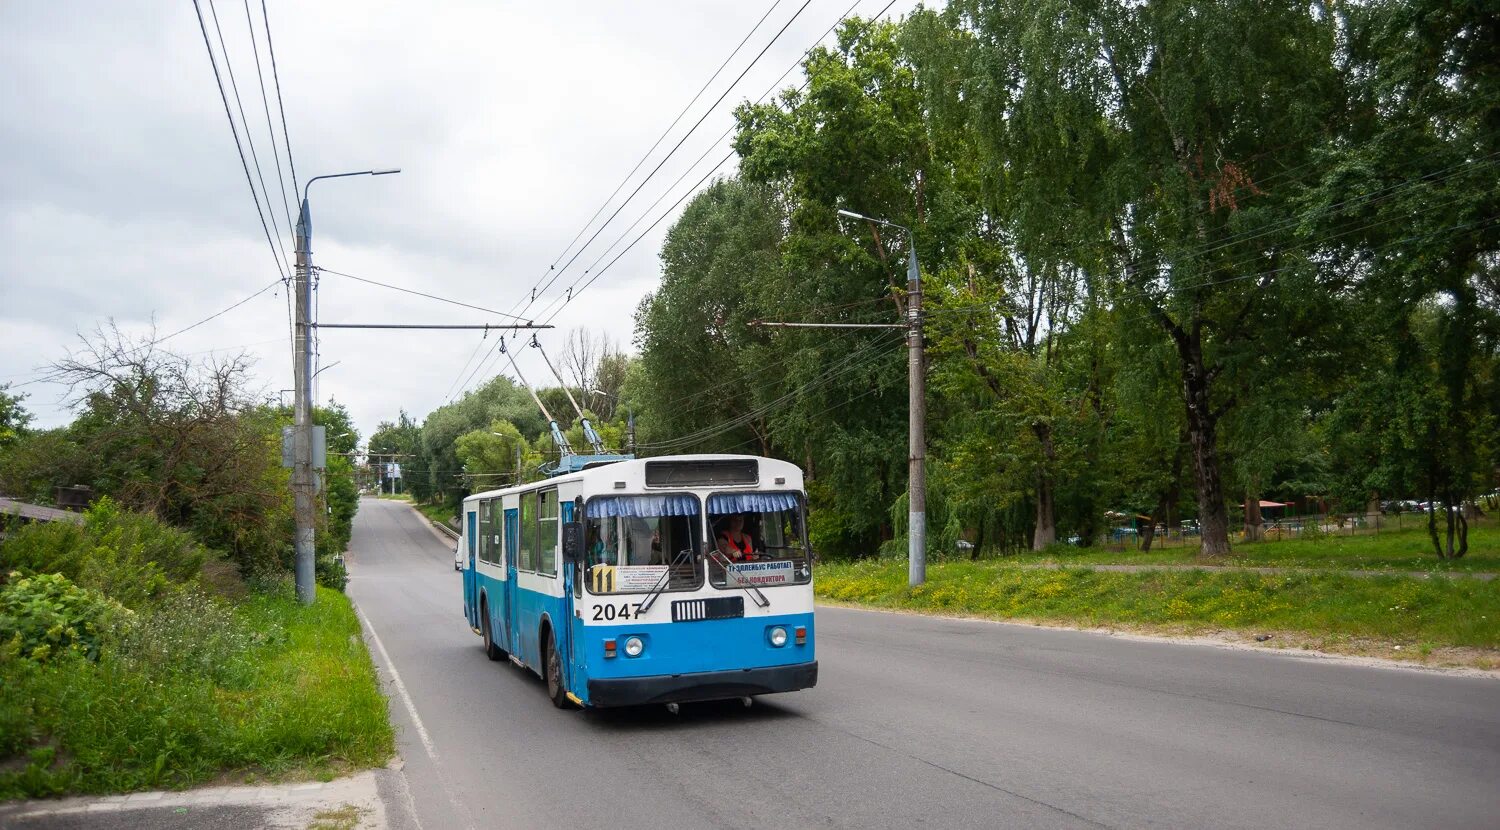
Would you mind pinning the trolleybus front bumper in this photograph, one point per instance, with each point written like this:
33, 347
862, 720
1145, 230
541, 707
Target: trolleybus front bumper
712, 685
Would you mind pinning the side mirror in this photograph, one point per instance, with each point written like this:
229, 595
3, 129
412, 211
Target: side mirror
572, 541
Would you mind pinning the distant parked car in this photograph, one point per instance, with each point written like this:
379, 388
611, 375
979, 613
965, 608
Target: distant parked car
458, 558
1190, 527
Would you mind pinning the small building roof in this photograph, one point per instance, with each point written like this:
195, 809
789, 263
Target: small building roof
36, 512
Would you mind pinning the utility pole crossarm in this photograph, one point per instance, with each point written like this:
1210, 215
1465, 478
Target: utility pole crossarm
769, 324
430, 326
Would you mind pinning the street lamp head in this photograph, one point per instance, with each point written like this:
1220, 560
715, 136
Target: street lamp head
851, 214
385, 172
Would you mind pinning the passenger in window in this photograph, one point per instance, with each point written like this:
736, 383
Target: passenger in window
734, 542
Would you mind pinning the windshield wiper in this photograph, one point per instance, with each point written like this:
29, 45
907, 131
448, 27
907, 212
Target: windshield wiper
661, 584
722, 561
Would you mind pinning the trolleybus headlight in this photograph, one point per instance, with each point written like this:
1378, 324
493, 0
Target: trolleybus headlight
778, 636
634, 646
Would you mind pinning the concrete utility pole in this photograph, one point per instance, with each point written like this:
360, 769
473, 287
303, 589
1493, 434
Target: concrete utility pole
916, 475
304, 479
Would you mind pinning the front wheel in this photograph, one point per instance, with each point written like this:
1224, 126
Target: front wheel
555, 688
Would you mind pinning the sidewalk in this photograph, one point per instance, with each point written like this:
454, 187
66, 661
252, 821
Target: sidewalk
370, 800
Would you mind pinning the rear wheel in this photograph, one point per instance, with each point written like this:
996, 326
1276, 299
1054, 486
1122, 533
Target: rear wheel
553, 663
491, 650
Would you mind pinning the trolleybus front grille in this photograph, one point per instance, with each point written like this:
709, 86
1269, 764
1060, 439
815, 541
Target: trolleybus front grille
713, 608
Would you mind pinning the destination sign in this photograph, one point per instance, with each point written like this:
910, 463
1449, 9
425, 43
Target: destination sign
761, 574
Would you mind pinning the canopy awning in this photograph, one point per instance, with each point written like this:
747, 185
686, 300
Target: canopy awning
643, 507
721, 503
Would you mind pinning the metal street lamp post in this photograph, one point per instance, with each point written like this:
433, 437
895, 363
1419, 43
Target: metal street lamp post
303, 476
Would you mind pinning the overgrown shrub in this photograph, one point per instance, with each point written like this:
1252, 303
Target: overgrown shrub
130, 557
330, 572
44, 616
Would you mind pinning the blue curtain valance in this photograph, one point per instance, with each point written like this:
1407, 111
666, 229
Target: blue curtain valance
643, 507
721, 503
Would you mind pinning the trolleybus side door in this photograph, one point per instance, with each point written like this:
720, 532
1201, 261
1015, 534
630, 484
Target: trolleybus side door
512, 539
471, 578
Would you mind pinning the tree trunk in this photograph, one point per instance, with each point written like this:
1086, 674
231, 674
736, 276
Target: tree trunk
1252, 514
1046, 519
1202, 425
1147, 535
978, 543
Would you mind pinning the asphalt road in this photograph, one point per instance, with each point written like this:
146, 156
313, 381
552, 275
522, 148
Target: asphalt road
925, 722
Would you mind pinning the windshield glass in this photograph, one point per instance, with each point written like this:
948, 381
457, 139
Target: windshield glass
761, 536
632, 542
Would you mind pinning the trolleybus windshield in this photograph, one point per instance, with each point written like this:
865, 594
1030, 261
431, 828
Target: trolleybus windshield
767, 532
630, 542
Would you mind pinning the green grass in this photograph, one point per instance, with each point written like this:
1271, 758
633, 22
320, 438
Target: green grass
302, 701
1407, 549
1391, 609
439, 513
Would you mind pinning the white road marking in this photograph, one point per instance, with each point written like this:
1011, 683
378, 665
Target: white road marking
411, 707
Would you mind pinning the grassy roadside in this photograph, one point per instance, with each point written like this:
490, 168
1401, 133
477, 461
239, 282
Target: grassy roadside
437, 512
277, 691
1407, 549
1447, 620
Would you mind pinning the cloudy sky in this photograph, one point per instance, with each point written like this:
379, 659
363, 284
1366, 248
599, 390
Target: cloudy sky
122, 196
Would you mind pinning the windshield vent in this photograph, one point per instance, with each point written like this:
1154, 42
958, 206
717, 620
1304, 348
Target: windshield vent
716, 608
702, 473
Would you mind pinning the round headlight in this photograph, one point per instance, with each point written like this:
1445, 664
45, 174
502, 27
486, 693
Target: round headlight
634, 646
778, 636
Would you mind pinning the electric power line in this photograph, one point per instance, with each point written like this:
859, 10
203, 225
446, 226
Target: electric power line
276, 76
270, 125
234, 87
234, 131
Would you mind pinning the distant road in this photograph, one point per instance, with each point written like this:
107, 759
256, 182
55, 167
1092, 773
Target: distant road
923, 722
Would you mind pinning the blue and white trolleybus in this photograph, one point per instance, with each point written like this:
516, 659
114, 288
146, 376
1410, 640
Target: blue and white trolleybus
647, 581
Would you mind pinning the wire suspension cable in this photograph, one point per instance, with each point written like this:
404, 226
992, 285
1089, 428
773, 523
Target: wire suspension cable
323, 270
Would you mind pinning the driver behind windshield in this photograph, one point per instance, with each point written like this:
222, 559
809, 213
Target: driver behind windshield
734, 542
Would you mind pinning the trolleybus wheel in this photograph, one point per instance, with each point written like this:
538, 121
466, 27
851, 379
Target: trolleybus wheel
555, 688
491, 650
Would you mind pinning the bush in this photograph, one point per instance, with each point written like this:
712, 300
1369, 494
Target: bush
330, 572
130, 557
45, 616
302, 699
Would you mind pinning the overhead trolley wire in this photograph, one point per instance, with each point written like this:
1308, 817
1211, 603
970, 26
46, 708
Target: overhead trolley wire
573, 289
571, 292
676, 147
235, 132
654, 145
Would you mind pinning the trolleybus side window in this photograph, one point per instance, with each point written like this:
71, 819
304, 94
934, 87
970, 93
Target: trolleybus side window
546, 526
526, 558
497, 525
484, 532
